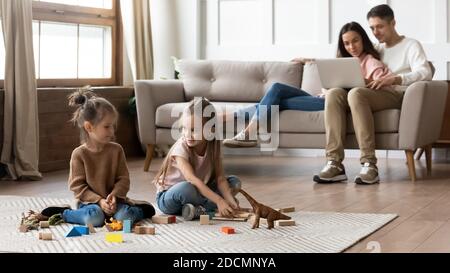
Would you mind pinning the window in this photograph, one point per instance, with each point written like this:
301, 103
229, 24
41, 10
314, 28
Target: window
75, 42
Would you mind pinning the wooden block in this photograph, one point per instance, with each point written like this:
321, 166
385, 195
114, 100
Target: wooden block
44, 224
204, 219
243, 215
23, 229
150, 230
284, 223
144, 230
228, 230
230, 219
238, 214
114, 237
45, 236
91, 228
164, 219
286, 210
127, 226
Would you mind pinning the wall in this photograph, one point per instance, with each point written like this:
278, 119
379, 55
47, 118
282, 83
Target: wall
284, 29
58, 137
175, 32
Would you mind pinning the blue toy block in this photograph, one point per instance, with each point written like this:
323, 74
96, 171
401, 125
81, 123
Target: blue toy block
73, 233
126, 226
83, 230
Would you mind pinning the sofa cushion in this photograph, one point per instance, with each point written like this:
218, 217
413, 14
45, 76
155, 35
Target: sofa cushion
291, 121
311, 79
236, 81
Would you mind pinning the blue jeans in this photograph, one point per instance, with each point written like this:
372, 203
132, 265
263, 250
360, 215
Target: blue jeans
93, 214
288, 98
172, 200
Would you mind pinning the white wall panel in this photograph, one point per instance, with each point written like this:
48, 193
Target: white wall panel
415, 18
344, 11
296, 21
241, 22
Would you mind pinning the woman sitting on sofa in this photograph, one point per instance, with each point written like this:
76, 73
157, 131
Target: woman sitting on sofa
353, 42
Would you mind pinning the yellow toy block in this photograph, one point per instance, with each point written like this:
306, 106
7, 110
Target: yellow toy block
114, 237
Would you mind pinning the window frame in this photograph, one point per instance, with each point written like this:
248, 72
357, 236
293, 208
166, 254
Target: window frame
55, 12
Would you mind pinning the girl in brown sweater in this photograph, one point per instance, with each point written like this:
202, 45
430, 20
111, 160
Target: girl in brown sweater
99, 175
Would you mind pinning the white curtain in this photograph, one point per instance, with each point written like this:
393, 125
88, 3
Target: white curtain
138, 37
20, 152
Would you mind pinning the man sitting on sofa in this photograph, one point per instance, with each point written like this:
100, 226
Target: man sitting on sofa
406, 59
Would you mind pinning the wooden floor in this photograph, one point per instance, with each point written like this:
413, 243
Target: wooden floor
423, 207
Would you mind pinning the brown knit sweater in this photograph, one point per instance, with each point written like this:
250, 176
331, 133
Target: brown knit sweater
94, 175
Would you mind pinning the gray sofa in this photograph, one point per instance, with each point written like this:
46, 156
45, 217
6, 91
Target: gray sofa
239, 84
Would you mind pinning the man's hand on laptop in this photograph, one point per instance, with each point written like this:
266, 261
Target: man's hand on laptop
388, 81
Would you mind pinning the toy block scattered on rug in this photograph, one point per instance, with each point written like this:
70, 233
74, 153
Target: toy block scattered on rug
126, 226
228, 230
45, 236
82, 230
164, 219
91, 228
144, 230
204, 220
114, 237
44, 224
236, 218
285, 223
73, 233
286, 210
230, 219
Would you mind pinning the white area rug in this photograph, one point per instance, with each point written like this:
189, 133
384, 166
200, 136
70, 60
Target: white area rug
314, 232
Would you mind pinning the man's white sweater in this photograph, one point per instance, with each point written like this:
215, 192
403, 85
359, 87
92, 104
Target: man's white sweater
406, 59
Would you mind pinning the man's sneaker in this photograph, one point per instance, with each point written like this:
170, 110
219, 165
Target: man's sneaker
368, 174
191, 212
332, 172
240, 140
50, 211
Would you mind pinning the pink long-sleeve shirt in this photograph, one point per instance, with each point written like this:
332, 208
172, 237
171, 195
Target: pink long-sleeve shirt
372, 68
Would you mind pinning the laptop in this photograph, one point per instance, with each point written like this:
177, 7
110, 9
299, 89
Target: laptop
340, 73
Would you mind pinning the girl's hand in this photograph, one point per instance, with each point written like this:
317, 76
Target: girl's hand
224, 208
302, 60
112, 201
105, 207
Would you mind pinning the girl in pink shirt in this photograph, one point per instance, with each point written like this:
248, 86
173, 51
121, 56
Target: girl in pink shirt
191, 180
354, 42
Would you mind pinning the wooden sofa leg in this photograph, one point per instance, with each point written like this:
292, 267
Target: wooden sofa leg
148, 157
411, 167
428, 155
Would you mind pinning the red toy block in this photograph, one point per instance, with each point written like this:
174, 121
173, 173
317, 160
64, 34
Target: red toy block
228, 230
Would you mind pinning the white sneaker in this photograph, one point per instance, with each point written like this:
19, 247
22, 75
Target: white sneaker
368, 174
240, 140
